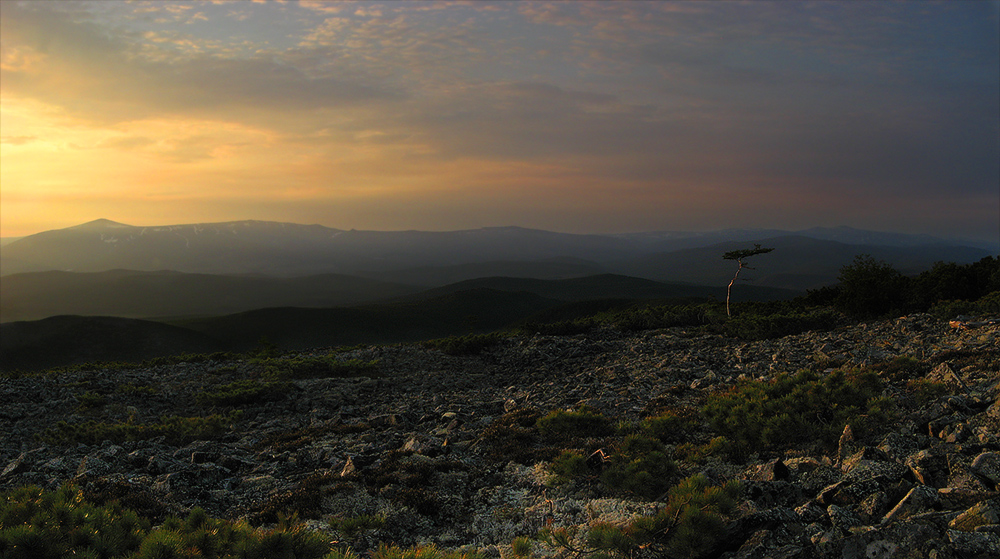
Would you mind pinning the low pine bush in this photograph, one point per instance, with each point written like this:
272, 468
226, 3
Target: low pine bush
671, 426
420, 552
797, 408
176, 429
577, 424
511, 436
691, 525
569, 465
640, 466
37, 524
770, 326
242, 392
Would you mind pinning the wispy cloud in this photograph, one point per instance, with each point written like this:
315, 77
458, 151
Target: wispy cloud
635, 106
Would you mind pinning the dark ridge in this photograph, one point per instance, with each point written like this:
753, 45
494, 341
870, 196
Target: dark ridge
71, 340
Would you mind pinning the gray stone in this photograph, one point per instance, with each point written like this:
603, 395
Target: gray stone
952, 498
930, 466
919, 499
843, 518
16, 466
987, 465
975, 544
980, 514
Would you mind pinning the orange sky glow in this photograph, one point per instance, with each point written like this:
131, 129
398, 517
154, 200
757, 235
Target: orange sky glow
567, 116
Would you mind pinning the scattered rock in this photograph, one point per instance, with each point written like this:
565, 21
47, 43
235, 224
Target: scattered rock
987, 465
981, 514
420, 442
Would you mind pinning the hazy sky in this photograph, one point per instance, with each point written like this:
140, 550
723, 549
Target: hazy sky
568, 116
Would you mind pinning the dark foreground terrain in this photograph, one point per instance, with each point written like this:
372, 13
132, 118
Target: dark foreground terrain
890, 447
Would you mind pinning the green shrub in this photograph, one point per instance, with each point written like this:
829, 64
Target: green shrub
952, 283
691, 525
90, 401
666, 316
569, 465
720, 447
511, 436
354, 526
871, 288
769, 326
41, 524
987, 306
671, 426
420, 552
135, 390
902, 367
559, 328
176, 429
924, 390
583, 423
521, 547
304, 501
795, 408
37, 524
422, 500
190, 358
640, 466
242, 392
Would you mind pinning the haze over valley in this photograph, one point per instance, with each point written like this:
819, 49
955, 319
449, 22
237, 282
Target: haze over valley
227, 286
108, 268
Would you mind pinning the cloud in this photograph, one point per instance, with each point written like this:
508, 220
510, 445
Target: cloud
129, 142
17, 140
108, 79
323, 6
643, 103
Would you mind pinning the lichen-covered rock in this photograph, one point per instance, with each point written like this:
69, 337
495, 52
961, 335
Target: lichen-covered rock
919, 499
983, 513
445, 448
987, 466
975, 545
930, 466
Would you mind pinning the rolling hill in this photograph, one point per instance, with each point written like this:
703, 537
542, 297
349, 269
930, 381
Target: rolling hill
474, 306
437, 258
70, 340
134, 294
605, 286
797, 262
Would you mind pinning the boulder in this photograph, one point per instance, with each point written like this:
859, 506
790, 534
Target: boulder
919, 499
983, 513
987, 467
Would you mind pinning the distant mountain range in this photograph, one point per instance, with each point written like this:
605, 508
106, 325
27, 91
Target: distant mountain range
226, 286
285, 249
108, 268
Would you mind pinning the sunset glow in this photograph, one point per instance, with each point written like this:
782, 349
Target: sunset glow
568, 116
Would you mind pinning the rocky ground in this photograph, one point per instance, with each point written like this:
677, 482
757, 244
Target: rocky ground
413, 442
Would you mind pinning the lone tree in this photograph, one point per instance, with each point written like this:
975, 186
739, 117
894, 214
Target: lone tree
740, 256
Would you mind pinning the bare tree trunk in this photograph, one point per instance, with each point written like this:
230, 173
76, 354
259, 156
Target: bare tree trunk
729, 290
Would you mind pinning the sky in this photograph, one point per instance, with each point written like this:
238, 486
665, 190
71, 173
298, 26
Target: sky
583, 117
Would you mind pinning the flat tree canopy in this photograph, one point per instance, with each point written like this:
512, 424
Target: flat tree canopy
740, 256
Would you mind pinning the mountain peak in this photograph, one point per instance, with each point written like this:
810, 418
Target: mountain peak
101, 224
